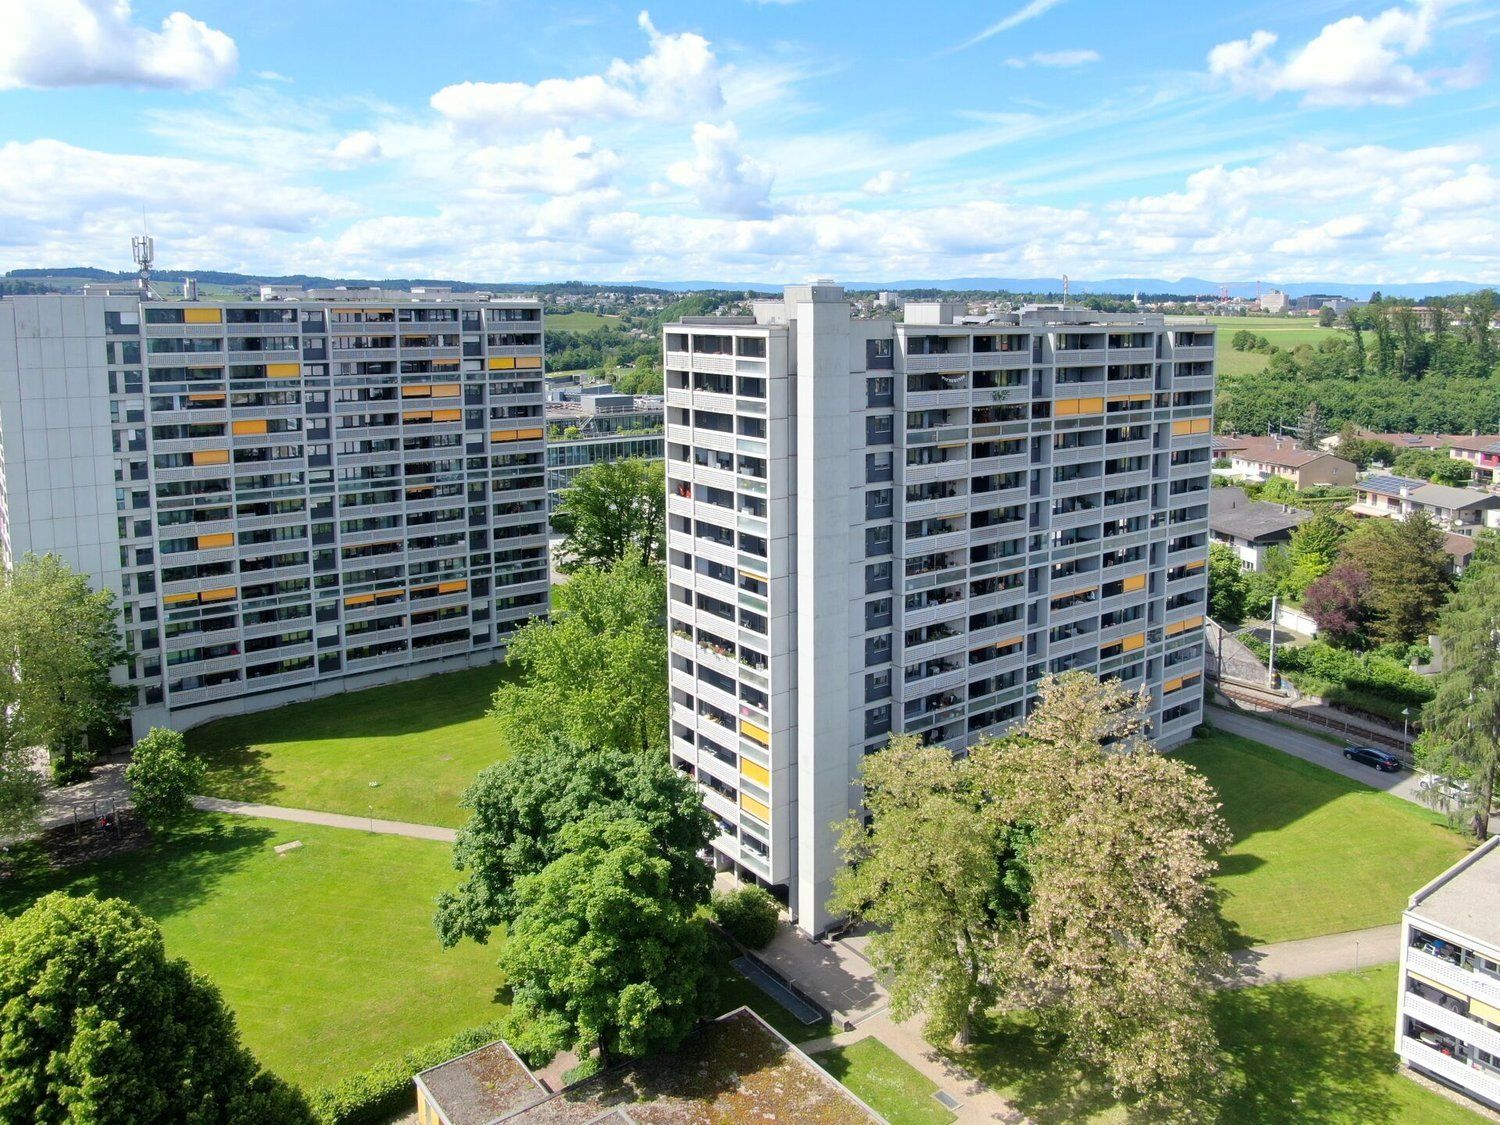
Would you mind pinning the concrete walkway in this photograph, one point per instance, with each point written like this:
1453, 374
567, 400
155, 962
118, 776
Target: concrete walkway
330, 820
1316, 956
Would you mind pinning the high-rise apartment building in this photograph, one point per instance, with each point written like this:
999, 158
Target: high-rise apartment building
290, 496
879, 527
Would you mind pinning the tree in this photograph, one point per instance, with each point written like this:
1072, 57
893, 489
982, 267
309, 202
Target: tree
1364, 452
1461, 725
1226, 585
61, 638
1434, 465
98, 1025
1339, 603
614, 510
1327, 317
1065, 868
522, 807
602, 952
1407, 568
1311, 430
20, 781
748, 914
595, 672
163, 778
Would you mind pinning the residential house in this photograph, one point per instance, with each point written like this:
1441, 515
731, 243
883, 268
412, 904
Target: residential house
1250, 527
1480, 450
1459, 510
1256, 458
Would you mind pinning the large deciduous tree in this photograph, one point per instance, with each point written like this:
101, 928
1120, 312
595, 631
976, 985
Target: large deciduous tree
1339, 603
61, 639
1226, 585
614, 510
1461, 724
1064, 868
1408, 575
522, 807
98, 1025
603, 953
595, 672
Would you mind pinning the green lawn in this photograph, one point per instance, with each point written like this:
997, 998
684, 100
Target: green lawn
1283, 331
1314, 852
1316, 1050
581, 321
888, 1084
327, 954
423, 741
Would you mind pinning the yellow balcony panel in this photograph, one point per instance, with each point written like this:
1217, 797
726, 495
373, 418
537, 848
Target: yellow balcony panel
1130, 398
529, 362
1133, 642
751, 730
202, 316
1134, 582
755, 771
1089, 406
178, 599
446, 390
359, 599
416, 416
208, 542
250, 426
528, 435
503, 435
283, 370
502, 363
416, 390
224, 593
755, 808
1196, 564
447, 415
444, 362
454, 586
216, 397
211, 457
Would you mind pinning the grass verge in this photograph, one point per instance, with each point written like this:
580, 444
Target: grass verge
889, 1085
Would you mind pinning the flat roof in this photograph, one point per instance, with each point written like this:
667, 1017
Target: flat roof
1465, 899
477, 1088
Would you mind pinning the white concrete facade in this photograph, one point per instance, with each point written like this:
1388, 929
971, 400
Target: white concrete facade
1448, 1008
879, 527
290, 497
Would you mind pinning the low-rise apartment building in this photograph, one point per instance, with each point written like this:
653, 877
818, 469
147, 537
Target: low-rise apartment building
289, 496
1257, 458
1448, 1009
594, 429
1251, 527
1459, 510
879, 527
1482, 451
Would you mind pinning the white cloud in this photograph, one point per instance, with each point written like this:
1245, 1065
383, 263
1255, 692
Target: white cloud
1015, 19
273, 76
677, 79
555, 164
1059, 59
725, 180
93, 42
357, 148
1353, 61
885, 183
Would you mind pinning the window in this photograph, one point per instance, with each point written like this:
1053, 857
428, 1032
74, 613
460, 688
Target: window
880, 391
877, 541
879, 355
877, 577
878, 430
879, 467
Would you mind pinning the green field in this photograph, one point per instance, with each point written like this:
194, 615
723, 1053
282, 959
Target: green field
1283, 331
327, 954
581, 321
423, 741
888, 1084
1317, 1050
1314, 852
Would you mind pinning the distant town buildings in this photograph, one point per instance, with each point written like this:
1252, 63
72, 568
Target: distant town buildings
1273, 301
593, 425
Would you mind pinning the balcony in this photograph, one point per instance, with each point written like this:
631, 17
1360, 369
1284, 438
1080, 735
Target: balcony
1456, 1071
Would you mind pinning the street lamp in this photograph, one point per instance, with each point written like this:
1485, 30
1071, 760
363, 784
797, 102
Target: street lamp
1405, 723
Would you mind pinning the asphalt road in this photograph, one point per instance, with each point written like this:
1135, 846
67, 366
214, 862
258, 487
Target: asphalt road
1311, 748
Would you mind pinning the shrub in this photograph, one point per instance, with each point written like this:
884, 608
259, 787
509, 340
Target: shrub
1371, 681
373, 1096
163, 777
748, 914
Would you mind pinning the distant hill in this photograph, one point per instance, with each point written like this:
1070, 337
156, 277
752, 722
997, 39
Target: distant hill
1124, 286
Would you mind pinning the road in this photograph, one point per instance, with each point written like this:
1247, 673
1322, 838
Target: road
1312, 748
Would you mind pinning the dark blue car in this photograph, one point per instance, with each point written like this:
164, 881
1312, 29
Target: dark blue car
1377, 759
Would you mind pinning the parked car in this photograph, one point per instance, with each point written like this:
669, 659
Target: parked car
1450, 790
1382, 760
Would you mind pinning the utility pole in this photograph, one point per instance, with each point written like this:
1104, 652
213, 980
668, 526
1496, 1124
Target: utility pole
1271, 663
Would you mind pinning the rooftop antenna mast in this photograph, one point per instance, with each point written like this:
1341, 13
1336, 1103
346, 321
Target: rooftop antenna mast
143, 250
1065, 291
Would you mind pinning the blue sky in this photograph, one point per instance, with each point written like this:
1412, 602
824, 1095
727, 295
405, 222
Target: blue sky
766, 141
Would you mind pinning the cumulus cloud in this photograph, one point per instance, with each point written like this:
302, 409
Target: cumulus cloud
677, 79
725, 180
95, 42
357, 148
1351, 62
555, 164
885, 183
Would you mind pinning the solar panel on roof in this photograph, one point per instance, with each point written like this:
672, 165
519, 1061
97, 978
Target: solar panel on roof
1385, 483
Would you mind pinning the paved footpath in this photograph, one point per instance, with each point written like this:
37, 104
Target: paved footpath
1316, 956
330, 820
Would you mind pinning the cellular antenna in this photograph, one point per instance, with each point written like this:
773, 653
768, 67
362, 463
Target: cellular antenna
143, 250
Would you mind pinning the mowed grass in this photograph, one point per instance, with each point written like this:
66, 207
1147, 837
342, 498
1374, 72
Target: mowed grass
1314, 852
581, 321
327, 954
423, 741
889, 1085
1283, 331
1316, 1050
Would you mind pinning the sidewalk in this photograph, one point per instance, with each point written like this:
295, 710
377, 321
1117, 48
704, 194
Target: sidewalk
1316, 956
330, 820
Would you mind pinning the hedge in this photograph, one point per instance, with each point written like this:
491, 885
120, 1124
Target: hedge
748, 914
373, 1096
1370, 681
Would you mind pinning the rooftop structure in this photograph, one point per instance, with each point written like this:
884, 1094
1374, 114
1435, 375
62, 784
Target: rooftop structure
879, 527
290, 497
1448, 1015
1251, 527
736, 1068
